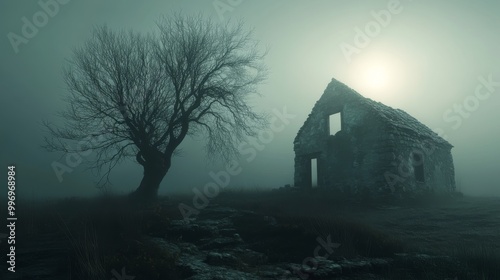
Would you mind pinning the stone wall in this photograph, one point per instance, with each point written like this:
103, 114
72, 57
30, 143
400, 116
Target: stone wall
378, 149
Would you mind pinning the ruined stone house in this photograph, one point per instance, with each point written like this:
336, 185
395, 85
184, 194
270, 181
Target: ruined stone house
358, 145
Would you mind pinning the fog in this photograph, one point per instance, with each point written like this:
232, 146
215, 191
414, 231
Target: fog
425, 57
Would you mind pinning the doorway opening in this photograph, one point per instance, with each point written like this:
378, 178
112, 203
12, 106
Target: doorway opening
314, 172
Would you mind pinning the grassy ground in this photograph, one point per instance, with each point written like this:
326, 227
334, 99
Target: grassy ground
102, 233
466, 228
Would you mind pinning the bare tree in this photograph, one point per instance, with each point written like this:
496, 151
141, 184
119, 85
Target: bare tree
141, 95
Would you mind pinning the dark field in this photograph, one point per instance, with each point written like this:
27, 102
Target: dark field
261, 235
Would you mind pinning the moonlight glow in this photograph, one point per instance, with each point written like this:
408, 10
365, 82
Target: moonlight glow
376, 75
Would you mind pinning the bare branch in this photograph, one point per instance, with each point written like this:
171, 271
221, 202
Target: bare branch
138, 96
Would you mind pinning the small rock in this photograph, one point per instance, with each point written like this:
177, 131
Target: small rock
189, 231
249, 257
355, 266
167, 247
227, 232
221, 242
189, 248
225, 259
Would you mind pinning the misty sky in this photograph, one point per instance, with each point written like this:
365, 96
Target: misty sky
424, 57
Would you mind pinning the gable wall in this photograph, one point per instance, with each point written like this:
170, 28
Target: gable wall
369, 153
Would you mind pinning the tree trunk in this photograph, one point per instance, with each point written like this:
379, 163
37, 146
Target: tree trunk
153, 175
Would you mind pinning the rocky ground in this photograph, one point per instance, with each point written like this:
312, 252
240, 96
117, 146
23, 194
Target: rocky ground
222, 242
213, 247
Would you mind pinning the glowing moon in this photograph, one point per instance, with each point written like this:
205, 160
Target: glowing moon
376, 75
